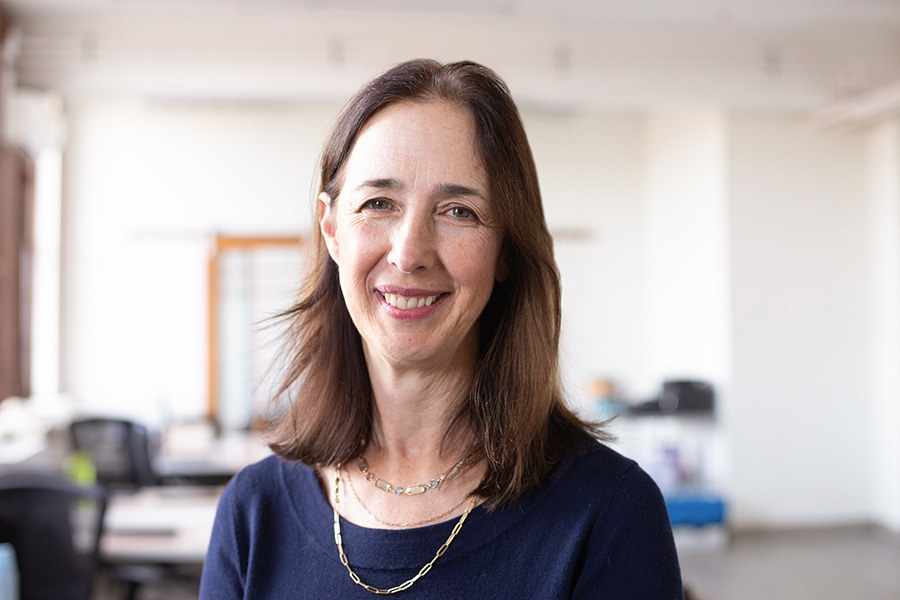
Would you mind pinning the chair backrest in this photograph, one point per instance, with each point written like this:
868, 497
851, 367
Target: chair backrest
54, 527
120, 450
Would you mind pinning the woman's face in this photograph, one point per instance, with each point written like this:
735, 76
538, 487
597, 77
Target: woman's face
414, 237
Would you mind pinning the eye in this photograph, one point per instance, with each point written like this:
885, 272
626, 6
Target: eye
461, 212
376, 204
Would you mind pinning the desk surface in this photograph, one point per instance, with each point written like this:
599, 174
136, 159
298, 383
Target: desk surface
159, 525
222, 456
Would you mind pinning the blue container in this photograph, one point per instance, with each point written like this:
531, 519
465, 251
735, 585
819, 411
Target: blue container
697, 509
9, 573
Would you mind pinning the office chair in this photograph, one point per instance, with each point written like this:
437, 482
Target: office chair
119, 449
55, 528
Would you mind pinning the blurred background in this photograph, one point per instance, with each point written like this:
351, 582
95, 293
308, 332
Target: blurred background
721, 177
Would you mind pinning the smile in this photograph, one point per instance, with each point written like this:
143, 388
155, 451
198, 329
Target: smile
408, 302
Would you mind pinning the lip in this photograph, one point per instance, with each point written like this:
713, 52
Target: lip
411, 313
404, 291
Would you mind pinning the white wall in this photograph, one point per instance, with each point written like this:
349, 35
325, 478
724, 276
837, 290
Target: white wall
883, 195
801, 405
589, 169
685, 203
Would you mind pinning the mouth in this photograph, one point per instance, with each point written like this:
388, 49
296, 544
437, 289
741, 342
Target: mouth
409, 302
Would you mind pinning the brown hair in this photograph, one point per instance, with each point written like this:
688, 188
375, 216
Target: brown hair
515, 407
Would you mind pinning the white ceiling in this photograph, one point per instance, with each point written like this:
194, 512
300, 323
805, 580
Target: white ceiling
799, 54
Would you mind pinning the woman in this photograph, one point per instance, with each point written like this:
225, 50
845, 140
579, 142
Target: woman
427, 449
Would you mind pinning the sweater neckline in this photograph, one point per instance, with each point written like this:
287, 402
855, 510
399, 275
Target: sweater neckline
392, 549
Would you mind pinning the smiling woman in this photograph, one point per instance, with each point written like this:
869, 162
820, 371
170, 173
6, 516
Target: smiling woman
424, 351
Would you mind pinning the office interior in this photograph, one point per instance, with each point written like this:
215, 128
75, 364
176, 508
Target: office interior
722, 181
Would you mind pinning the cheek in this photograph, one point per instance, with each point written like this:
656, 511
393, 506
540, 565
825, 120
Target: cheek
360, 253
476, 263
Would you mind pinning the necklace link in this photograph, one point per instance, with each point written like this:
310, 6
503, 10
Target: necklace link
410, 490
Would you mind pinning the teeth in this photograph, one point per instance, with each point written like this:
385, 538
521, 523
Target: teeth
406, 303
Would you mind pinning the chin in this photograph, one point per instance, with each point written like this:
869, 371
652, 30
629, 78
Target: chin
410, 355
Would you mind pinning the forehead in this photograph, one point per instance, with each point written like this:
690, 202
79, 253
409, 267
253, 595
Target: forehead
421, 140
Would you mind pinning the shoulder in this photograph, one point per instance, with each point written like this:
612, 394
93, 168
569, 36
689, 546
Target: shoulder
628, 533
270, 495
254, 479
258, 512
607, 520
259, 473
603, 471
265, 484
608, 492
594, 486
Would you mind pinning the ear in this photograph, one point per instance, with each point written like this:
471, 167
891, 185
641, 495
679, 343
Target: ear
328, 225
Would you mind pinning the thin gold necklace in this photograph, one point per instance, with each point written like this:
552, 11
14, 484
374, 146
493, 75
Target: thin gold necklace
410, 490
409, 582
392, 524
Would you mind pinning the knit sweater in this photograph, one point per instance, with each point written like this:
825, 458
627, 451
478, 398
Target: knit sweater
597, 528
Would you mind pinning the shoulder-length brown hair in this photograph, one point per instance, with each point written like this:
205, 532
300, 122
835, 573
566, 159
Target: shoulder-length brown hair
515, 407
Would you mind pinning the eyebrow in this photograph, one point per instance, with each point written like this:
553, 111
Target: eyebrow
381, 184
441, 189
454, 189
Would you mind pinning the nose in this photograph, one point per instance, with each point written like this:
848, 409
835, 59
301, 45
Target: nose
412, 244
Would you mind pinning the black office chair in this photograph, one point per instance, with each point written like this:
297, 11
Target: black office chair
55, 528
119, 449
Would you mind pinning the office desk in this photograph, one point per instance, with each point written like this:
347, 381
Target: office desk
217, 459
42, 452
160, 525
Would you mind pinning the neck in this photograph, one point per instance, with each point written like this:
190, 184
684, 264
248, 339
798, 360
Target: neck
412, 443
413, 412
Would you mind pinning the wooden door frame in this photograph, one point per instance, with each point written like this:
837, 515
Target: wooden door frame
220, 245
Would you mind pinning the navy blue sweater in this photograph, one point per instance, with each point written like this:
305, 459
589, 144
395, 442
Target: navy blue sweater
597, 529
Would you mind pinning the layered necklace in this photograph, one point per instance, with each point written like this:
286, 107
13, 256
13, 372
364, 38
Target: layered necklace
404, 524
410, 490
409, 582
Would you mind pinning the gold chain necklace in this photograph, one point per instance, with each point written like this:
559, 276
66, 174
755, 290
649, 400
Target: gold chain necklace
410, 490
409, 582
392, 524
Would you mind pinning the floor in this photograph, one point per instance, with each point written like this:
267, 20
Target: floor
858, 563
